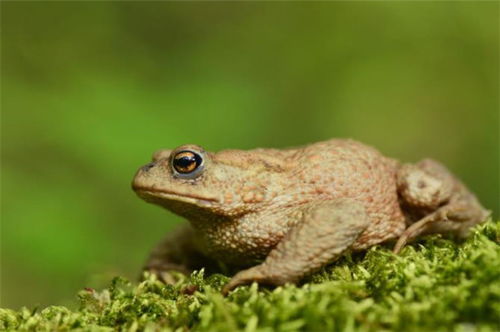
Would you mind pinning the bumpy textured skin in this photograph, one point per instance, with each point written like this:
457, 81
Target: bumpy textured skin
298, 209
308, 245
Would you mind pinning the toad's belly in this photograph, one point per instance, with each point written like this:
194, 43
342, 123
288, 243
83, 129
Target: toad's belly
249, 240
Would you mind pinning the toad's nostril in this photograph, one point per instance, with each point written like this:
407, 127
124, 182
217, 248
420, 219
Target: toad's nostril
147, 167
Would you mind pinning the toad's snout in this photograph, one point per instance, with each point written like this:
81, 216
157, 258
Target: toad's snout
145, 176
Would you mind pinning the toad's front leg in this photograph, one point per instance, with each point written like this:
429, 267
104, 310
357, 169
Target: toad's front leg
179, 252
326, 230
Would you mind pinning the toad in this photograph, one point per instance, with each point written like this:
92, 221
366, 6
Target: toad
277, 215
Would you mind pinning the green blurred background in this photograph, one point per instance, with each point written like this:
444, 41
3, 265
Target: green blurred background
91, 89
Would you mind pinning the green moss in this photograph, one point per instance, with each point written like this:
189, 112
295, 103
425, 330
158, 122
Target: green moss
435, 284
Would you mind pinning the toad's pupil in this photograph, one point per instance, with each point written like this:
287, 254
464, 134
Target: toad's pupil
186, 162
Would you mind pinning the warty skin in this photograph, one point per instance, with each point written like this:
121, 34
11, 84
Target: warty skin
279, 215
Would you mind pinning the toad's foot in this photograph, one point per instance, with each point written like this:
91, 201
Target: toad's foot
178, 252
326, 230
165, 274
456, 218
444, 204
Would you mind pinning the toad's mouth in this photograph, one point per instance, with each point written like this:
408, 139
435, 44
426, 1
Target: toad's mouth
157, 195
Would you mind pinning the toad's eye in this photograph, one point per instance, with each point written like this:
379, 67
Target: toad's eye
187, 163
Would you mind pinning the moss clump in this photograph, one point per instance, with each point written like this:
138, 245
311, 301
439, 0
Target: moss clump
435, 284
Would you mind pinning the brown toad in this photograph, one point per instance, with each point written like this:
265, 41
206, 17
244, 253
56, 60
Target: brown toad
282, 214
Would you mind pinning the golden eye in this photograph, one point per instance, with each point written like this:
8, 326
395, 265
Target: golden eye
186, 162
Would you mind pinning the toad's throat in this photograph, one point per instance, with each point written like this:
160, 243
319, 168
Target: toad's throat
172, 194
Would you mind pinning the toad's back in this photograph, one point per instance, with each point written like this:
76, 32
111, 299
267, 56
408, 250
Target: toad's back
349, 169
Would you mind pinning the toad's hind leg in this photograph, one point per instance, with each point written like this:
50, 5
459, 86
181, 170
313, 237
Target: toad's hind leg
438, 200
326, 231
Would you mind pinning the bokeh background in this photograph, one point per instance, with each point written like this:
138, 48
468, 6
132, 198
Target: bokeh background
91, 89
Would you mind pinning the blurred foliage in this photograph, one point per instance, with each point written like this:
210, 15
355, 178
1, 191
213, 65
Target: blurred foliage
91, 89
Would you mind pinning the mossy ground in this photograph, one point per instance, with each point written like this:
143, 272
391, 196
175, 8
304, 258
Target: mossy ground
435, 284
